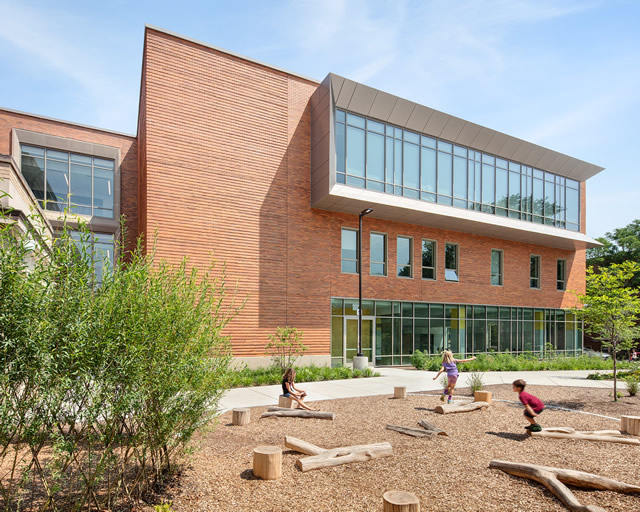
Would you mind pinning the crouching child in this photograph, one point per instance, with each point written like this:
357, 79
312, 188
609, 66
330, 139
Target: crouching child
533, 406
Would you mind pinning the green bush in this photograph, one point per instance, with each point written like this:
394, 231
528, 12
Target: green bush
632, 385
244, 377
103, 383
476, 382
285, 347
516, 362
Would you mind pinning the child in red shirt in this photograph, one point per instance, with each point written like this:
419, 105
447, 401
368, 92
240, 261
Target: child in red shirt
533, 406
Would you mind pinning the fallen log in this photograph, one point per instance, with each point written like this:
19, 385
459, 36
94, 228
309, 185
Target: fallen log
415, 432
430, 427
298, 413
298, 445
586, 437
555, 478
569, 430
345, 455
452, 408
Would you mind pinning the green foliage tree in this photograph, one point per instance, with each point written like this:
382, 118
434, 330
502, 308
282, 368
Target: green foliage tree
103, 383
285, 347
618, 246
611, 309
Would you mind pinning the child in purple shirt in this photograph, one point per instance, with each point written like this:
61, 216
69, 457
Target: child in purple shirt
449, 365
533, 406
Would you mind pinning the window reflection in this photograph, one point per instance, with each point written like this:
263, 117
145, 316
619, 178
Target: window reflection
384, 158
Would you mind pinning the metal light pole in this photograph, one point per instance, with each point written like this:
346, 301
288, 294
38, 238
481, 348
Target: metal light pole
362, 214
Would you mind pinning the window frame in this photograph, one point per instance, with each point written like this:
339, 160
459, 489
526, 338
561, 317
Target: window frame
539, 278
343, 228
386, 254
457, 268
435, 260
501, 271
410, 238
564, 279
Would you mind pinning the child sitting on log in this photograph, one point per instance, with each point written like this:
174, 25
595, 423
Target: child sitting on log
533, 406
290, 391
449, 365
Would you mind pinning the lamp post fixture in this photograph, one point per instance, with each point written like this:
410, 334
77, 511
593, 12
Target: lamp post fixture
362, 214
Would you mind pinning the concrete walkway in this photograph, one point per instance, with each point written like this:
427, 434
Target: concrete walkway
414, 380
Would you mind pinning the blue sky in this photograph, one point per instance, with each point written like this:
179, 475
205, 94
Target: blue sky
563, 74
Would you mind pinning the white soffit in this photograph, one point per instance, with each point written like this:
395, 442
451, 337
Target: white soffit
411, 211
366, 101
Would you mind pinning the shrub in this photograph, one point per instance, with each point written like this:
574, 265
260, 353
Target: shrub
476, 381
632, 385
285, 347
103, 384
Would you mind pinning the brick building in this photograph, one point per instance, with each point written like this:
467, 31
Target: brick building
474, 242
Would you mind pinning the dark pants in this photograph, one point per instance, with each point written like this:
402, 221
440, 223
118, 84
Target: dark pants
529, 415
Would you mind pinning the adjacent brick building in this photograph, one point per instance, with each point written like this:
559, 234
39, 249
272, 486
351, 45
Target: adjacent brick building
475, 240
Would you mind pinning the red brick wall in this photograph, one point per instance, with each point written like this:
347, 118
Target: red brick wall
227, 148
128, 155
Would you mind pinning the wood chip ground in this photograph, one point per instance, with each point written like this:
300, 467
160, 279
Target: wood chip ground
447, 473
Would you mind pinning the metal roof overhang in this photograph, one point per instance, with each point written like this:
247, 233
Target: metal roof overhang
364, 100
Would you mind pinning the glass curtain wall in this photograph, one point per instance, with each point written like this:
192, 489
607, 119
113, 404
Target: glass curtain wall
403, 327
388, 159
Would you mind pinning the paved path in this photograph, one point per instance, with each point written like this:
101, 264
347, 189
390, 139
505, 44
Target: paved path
414, 380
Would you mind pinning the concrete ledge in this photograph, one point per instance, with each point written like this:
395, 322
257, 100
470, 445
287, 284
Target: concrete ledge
261, 362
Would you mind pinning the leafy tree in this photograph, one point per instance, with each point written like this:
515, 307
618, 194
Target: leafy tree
623, 244
285, 347
611, 309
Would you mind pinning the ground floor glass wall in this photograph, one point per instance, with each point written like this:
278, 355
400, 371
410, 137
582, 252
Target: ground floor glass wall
392, 331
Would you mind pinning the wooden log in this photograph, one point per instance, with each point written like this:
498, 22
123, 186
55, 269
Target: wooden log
286, 402
555, 478
415, 432
301, 446
400, 501
630, 425
569, 430
400, 392
267, 462
577, 435
430, 427
482, 396
345, 455
299, 413
241, 416
452, 408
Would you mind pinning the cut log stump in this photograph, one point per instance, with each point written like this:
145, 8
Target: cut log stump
267, 462
400, 392
452, 408
400, 501
586, 437
298, 413
630, 425
415, 432
345, 455
286, 402
430, 427
482, 396
554, 479
241, 416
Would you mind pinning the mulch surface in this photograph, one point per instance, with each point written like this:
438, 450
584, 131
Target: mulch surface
446, 473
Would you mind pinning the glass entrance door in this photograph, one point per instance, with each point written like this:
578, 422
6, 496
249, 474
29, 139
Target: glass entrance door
351, 337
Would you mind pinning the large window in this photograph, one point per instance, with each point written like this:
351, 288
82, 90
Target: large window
562, 275
385, 158
428, 259
451, 262
399, 329
404, 256
496, 267
61, 180
349, 251
534, 272
378, 248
